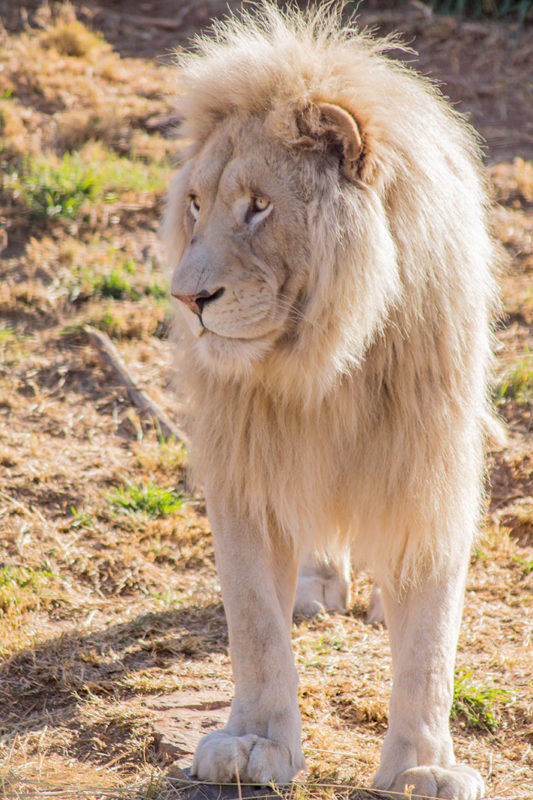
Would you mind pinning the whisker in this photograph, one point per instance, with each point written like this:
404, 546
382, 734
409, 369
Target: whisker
296, 312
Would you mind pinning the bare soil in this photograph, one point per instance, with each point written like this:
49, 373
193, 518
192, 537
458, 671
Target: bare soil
105, 610
484, 67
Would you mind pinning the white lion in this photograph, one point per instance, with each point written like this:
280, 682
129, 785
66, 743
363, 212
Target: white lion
327, 231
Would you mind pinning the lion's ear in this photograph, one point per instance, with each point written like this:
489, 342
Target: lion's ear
336, 127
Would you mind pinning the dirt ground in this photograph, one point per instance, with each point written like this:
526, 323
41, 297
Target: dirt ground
109, 599
483, 67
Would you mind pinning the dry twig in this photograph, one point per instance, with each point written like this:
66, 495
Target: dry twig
110, 356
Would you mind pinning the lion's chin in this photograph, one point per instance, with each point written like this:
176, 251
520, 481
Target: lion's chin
231, 358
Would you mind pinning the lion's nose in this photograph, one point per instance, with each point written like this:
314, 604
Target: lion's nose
196, 302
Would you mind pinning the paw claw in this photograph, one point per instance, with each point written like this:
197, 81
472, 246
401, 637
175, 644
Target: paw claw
223, 758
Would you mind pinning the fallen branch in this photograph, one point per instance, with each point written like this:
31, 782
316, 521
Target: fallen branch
110, 357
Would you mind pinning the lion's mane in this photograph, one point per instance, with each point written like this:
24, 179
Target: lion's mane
367, 422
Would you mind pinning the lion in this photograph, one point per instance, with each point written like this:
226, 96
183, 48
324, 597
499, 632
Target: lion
327, 232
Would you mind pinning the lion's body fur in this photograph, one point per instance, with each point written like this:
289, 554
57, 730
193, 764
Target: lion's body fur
366, 421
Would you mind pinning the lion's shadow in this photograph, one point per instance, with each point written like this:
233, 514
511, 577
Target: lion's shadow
41, 686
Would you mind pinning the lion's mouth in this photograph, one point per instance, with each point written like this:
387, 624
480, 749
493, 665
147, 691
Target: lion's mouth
199, 329
230, 338
194, 321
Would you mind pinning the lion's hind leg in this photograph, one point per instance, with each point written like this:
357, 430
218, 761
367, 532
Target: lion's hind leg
375, 613
323, 584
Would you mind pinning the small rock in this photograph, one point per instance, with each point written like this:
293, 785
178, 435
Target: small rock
183, 718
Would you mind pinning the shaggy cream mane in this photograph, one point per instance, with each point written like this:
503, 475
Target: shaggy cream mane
363, 420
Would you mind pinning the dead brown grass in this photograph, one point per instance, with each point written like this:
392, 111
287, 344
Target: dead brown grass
101, 608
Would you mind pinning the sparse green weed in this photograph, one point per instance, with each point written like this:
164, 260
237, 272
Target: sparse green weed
526, 565
149, 499
108, 321
126, 321
119, 174
517, 382
158, 290
116, 285
23, 587
479, 553
168, 598
7, 334
12, 345
477, 705
167, 456
82, 519
173, 454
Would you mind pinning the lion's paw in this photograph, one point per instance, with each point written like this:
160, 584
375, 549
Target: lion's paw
320, 590
221, 758
458, 782
375, 613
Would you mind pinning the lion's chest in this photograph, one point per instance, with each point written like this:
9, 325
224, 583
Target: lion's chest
276, 461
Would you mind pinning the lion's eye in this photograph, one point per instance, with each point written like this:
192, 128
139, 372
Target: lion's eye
194, 205
258, 204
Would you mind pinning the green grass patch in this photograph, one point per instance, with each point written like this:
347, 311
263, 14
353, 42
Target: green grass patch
63, 188
125, 281
117, 283
108, 322
477, 705
24, 588
148, 499
52, 188
119, 175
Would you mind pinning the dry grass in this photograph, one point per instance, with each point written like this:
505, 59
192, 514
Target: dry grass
102, 605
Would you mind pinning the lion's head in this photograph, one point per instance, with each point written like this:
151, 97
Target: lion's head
279, 222
260, 204
243, 271
298, 219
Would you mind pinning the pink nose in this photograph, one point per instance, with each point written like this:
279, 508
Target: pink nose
196, 302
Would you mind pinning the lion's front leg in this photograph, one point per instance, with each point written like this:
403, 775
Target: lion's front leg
418, 749
261, 742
